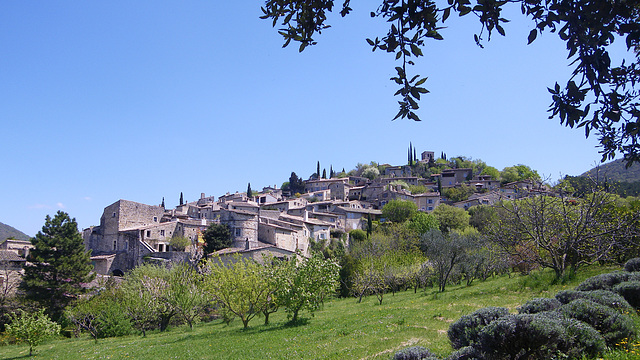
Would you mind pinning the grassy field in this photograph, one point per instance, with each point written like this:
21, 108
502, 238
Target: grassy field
343, 329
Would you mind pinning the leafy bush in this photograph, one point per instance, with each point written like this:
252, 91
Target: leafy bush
613, 325
414, 353
465, 331
602, 297
630, 290
101, 316
522, 336
632, 265
539, 305
357, 235
607, 281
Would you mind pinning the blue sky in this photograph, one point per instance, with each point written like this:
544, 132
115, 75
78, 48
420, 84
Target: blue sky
108, 100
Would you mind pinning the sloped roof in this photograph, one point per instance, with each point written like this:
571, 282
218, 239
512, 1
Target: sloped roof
6, 255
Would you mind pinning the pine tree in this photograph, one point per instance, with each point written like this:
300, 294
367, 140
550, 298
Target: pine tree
249, 192
60, 265
181, 199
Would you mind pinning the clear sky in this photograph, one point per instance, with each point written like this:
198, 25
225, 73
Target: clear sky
140, 100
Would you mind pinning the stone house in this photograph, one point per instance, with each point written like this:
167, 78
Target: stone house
20, 247
426, 201
11, 272
356, 218
258, 253
453, 177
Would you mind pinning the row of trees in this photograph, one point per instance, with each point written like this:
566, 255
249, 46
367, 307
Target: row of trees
153, 296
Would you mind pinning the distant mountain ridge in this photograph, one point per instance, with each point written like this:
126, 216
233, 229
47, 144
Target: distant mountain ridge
615, 171
7, 231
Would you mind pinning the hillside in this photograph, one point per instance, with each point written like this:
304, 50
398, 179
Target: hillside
7, 231
615, 171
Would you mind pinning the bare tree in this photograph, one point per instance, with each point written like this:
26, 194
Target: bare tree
562, 233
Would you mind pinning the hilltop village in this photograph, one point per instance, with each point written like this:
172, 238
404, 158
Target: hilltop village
278, 222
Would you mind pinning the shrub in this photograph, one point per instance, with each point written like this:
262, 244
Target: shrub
632, 265
613, 325
357, 235
525, 336
602, 297
539, 305
630, 290
464, 331
101, 316
606, 281
414, 353
579, 337
466, 353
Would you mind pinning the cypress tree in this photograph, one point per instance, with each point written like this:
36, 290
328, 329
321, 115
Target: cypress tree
162, 202
324, 173
59, 265
318, 170
181, 199
249, 192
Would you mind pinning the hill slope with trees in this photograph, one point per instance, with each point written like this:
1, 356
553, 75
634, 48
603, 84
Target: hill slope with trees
615, 171
7, 231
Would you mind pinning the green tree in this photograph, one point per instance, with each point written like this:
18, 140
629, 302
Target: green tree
240, 286
600, 96
451, 218
493, 172
303, 284
186, 293
371, 172
459, 193
216, 237
145, 296
399, 211
446, 250
179, 243
249, 192
296, 185
422, 222
181, 199
32, 328
59, 265
100, 315
518, 173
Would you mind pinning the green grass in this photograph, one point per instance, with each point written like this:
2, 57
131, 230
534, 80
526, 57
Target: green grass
343, 329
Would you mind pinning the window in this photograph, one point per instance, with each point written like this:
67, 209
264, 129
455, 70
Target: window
238, 231
430, 201
155, 219
113, 215
148, 233
161, 232
430, 208
115, 244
